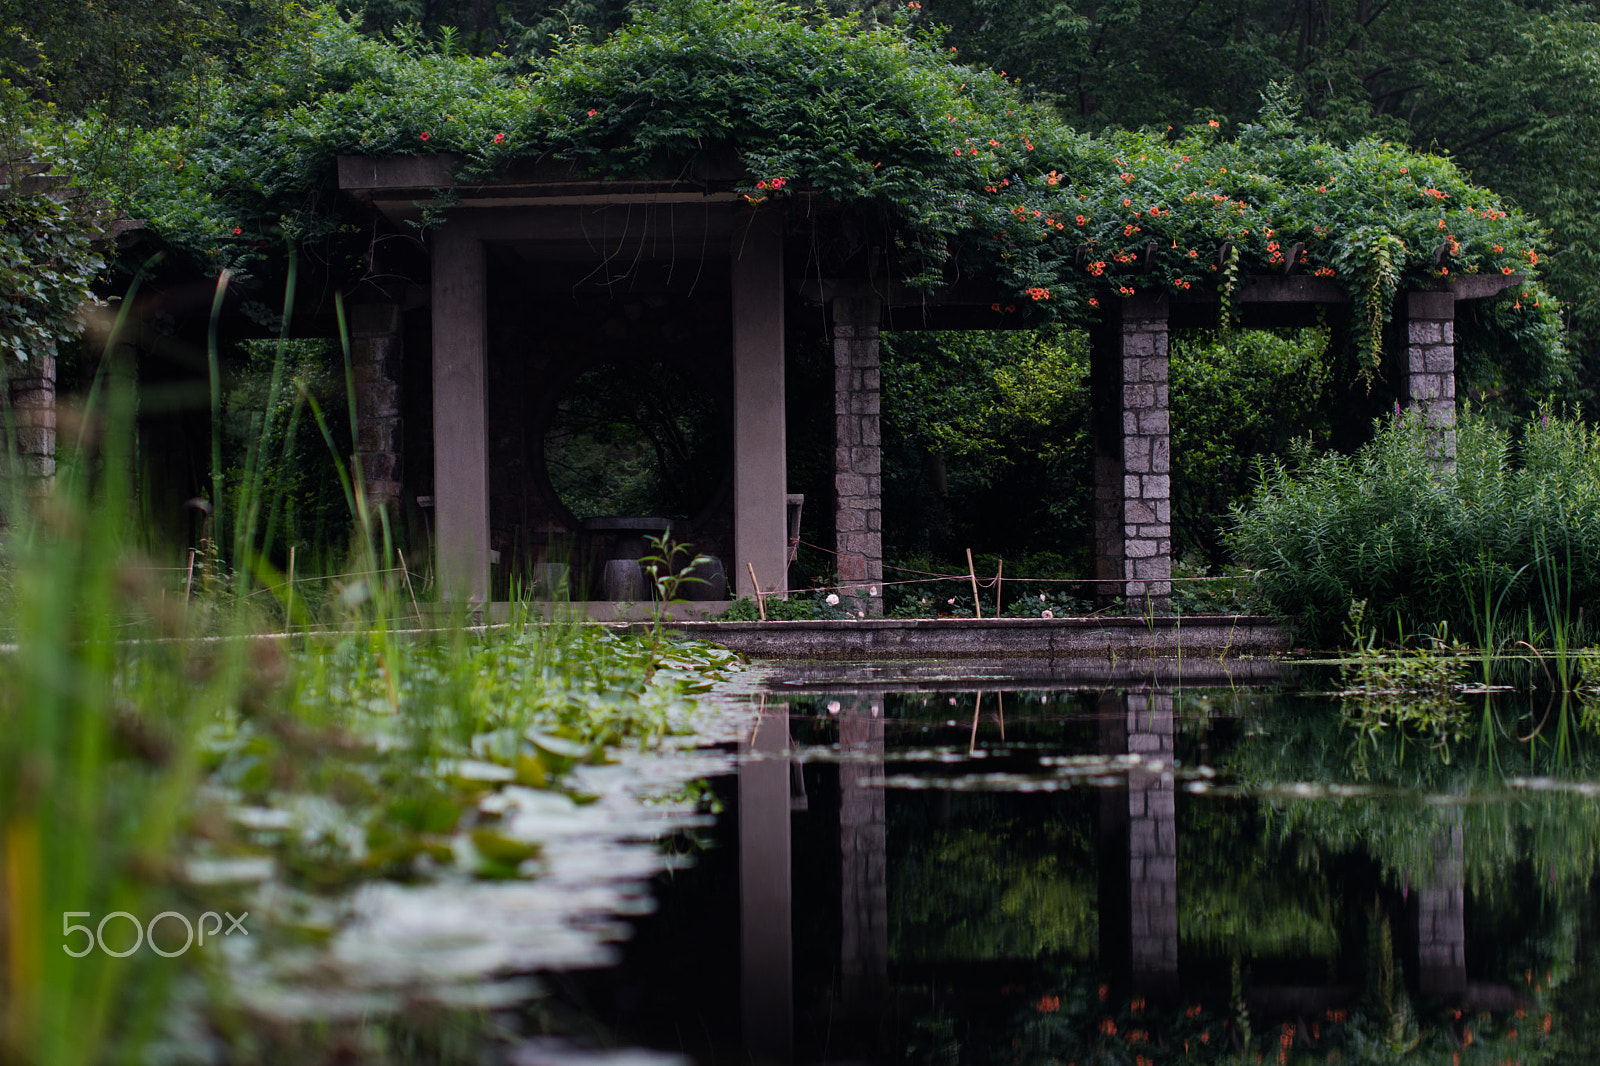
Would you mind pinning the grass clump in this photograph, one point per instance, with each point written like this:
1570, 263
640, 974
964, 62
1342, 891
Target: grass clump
1505, 546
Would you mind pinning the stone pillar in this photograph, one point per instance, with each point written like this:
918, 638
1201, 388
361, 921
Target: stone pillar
33, 414
1442, 922
1431, 366
857, 455
460, 415
1132, 460
1152, 850
760, 460
375, 355
863, 848
766, 939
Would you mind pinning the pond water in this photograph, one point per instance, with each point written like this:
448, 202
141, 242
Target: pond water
945, 868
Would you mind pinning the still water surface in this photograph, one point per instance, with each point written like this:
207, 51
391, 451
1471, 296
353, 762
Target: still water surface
970, 870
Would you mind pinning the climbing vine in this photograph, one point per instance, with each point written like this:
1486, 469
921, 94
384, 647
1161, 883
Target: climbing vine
966, 175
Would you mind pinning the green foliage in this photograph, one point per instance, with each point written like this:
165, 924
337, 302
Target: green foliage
1236, 397
958, 171
47, 263
1510, 538
1412, 688
986, 440
294, 467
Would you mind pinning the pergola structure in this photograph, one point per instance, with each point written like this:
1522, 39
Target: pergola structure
534, 274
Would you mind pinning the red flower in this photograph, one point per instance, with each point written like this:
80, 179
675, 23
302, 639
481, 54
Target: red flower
499, 138
1215, 124
778, 183
1093, 302
237, 231
593, 112
424, 136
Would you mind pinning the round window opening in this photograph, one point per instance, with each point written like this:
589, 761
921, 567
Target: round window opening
640, 438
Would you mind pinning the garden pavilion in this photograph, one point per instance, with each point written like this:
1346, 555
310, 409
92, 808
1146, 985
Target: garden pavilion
535, 276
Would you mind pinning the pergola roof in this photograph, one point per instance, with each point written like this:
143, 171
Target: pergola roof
549, 198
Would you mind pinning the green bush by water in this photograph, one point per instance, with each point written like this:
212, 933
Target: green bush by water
1505, 547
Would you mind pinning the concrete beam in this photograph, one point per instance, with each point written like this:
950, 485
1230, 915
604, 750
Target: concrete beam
760, 457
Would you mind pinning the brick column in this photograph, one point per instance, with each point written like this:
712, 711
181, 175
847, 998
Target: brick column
1442, 923
33, 413
1152, 850
1132, 445
375, 355
857, 462
1431, 366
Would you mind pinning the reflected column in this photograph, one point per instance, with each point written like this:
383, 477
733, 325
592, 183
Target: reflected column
1442, 923
1152, 849
863, 865
1139, 848
766, 940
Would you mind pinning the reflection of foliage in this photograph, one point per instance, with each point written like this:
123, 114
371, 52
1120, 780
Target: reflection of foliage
1555, 832
640, 439
1236, 892
1008, 890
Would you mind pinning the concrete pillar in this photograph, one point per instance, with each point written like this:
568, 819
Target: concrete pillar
460, 415
33, 414
1442, 922
766, 938
1431, 366
760, 460
863, 848
1152, 850
1132, 453
857, 455
376, 350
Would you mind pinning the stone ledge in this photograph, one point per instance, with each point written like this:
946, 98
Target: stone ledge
1109, 637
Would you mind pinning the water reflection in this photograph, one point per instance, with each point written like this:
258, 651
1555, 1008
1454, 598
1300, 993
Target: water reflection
928, 873
765, 898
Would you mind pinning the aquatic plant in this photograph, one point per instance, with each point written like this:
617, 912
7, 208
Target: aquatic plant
165, 757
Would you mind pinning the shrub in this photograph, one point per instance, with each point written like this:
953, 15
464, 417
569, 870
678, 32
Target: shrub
1507, 542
